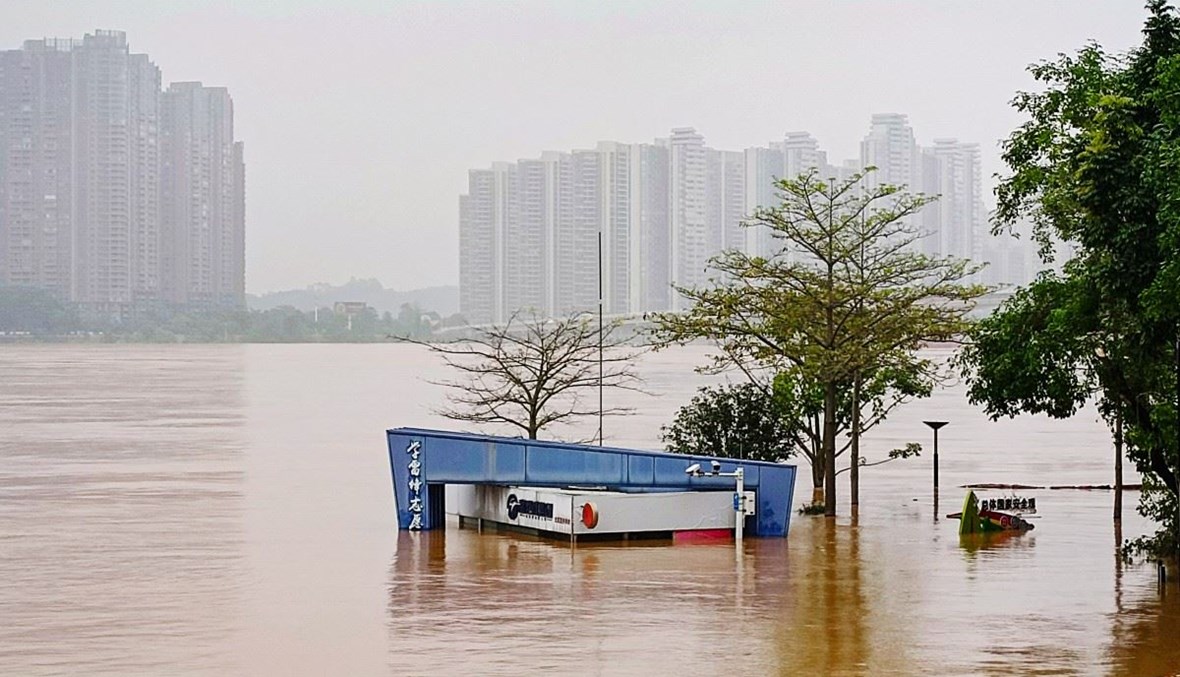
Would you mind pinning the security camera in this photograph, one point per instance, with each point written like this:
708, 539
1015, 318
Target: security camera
692, 469
716, 467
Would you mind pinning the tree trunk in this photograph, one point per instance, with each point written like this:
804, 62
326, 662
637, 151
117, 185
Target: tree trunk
817, 479
1118, 467
817, 462
829, 449
854, 469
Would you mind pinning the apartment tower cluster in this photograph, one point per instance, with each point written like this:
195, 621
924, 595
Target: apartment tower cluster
529, 230
116, 194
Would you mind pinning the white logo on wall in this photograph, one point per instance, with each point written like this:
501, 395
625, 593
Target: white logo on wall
517, 507
415, 484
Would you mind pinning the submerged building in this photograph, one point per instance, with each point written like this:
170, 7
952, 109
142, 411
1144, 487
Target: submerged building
580, 490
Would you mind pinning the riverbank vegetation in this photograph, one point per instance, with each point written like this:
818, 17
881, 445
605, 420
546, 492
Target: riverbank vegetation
749, 420
1096, 168
34, 315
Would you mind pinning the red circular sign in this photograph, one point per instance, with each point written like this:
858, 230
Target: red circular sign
589, 515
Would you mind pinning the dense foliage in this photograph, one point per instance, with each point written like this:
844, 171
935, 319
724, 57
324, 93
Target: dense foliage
1097, 167
774, 419
732, 421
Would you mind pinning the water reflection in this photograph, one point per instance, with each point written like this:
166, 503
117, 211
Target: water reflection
837, 598
584, 610
869, 595
824, 631
1146, 634
973, 545
799, 608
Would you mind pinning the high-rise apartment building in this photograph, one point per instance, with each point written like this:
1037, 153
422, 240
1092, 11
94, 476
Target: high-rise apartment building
725, 193
801, 153
579, 214
688, 235
651, 236
527, 236
37, 175
203, 226
890, 147
116, 115
958, 211
618, 213
82, 190
764, 166
481, 238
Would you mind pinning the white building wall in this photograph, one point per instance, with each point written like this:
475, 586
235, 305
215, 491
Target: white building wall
652, 258
763, 166
801, 153
525, 243
890, 147
689, 236
479, 262
617, 205
959, 207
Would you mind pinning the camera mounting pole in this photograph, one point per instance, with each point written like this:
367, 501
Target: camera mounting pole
739, 497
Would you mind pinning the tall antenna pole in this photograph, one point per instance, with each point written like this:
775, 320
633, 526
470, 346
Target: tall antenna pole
600, 338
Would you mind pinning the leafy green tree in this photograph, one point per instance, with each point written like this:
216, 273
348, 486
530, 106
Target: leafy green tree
847, 295
1097, 166
732, 421
783, 418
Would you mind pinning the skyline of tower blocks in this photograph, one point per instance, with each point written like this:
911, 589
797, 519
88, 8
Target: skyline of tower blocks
665, 208
83, 202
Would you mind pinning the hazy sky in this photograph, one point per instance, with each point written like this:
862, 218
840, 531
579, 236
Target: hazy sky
361, 119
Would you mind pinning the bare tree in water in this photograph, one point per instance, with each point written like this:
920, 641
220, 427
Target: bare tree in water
532, 372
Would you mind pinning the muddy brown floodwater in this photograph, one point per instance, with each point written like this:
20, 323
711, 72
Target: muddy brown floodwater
189, 510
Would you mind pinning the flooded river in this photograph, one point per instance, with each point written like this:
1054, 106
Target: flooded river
191, 510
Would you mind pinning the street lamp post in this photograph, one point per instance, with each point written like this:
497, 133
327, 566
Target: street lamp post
935, 425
